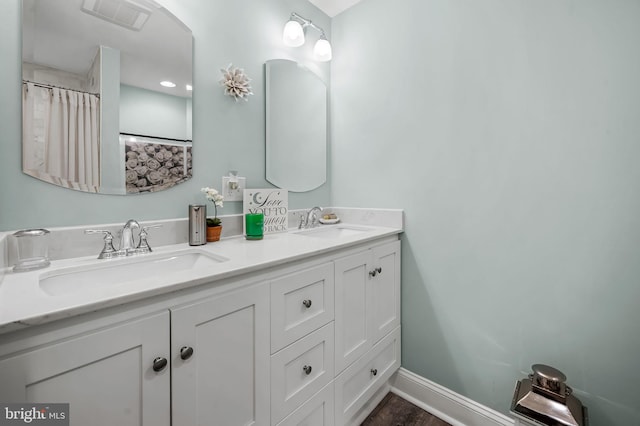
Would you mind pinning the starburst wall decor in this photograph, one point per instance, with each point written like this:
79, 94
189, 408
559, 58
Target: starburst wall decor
235, 83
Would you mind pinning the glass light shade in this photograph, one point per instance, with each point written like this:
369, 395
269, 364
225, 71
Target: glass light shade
322, 50
293, 34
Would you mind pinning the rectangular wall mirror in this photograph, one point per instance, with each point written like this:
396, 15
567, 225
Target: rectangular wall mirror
95, 115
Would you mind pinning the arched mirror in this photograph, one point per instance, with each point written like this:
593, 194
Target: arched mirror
296, 126
106, 95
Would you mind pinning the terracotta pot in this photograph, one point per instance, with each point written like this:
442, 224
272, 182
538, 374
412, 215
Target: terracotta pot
213, 233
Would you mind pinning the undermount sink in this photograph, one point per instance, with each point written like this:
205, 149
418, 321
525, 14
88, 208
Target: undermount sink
111, 273
332, 231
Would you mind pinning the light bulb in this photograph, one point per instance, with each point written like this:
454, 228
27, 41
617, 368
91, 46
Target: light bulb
322, 50
293, 35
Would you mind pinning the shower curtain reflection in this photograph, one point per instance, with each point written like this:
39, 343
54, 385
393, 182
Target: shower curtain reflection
61, 136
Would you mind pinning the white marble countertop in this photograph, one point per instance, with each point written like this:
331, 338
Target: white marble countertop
24, 303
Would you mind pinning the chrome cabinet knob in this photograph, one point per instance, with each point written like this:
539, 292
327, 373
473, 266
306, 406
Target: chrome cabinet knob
374, 371
307, 369
306, 303
186, 352
375, 272
159, 364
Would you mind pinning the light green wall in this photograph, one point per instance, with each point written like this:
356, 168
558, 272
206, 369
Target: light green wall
509, 130
227, 135
145, 112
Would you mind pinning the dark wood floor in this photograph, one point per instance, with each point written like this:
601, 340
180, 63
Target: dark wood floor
395, 411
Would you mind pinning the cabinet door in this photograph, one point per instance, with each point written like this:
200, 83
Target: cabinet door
353, 301
107, 377
225, 381
385, 286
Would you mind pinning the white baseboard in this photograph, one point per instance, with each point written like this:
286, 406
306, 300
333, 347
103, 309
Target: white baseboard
444, 403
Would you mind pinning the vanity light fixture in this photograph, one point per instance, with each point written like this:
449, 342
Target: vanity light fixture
167, 83
293, 35
322, 49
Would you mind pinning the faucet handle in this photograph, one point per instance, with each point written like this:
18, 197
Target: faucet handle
108, 250
144, 244
303, 220
315, 219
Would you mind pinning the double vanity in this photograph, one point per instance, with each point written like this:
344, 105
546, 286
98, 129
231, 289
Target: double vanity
302, 327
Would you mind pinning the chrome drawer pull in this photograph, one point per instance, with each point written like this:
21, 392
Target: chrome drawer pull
374, 371
307, 369
306, 303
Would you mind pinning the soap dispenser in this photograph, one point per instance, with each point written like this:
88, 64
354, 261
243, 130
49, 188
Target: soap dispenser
197, 224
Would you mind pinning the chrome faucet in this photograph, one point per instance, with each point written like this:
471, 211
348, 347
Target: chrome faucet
126, 239
127, 245
310, 218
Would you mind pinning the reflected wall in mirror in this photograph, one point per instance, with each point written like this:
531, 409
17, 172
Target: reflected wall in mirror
91, 73
296, 126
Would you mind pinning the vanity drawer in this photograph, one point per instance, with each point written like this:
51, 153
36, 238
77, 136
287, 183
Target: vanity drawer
301, 303
300, 370
318, 411
358, 383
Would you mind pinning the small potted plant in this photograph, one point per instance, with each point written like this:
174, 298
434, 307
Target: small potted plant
214, 227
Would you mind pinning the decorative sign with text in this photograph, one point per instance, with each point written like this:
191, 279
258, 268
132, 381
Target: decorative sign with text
273, 203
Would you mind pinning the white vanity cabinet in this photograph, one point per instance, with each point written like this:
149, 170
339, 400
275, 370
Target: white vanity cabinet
211, 357
367, 326
364, 286
367, 300
307, 342
106, 375
302, 341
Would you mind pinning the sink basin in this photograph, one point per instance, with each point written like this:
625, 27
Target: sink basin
332, 231
112, 273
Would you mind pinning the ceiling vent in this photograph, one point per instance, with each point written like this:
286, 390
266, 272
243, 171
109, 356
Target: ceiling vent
126, 13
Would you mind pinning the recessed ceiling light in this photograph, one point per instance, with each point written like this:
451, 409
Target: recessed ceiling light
189, 87
168, 84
